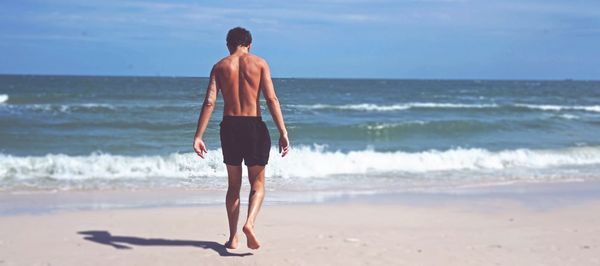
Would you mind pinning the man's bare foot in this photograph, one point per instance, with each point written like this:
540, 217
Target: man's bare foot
232, 243
251, 240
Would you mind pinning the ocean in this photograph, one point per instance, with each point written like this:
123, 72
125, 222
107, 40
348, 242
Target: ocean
347, 135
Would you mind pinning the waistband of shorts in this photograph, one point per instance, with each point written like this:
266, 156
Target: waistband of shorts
241, 118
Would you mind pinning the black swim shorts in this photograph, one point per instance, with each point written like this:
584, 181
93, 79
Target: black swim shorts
245, 138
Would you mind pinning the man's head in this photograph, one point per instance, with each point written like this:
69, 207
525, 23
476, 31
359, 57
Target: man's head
238, 36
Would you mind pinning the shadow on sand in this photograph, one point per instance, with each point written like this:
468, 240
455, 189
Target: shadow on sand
119, 242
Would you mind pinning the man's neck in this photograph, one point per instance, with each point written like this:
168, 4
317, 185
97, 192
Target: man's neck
240, 50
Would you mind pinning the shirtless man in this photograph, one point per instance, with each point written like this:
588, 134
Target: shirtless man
241, 77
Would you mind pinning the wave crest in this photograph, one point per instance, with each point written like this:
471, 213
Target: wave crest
66, 108
429, 105
3, 98
557, 108
302, 162
387, 108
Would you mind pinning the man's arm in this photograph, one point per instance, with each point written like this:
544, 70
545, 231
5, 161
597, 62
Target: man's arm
207, 108
268, 90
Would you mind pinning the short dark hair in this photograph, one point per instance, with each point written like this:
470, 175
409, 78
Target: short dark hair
239, 36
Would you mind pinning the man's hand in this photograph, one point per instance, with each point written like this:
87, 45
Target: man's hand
199, 147
284, 145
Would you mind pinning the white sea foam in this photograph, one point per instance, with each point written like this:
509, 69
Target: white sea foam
358, 107
548, 107
302, 162
451, 105
394, 107
105, 166
87, 107
382, 126
406, 106
3, 98
569, 116
67, 108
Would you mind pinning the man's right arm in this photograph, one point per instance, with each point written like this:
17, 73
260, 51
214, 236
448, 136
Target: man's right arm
268, 90
207, 108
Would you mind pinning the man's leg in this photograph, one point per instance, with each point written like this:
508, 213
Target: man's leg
232, 202
256, 175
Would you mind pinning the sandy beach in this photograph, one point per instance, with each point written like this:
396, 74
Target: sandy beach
492, 231
439, 132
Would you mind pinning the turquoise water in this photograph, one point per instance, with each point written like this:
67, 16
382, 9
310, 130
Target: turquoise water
64, 132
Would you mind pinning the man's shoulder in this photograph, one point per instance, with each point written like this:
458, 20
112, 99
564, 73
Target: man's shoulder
223, 61
256, 59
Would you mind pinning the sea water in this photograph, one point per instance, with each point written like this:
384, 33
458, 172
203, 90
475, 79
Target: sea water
371, 136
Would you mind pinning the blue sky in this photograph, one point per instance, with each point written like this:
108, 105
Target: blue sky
526, 39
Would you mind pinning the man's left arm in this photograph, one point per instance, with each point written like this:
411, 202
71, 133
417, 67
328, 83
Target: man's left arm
207, 108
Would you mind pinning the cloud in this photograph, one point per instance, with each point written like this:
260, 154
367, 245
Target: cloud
382, 36
138, 20
144, 20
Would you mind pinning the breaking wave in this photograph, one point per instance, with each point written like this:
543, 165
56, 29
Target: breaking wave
394, 107
302, 162
407, 106
546, 107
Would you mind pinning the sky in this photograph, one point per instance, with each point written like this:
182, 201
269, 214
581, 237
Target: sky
404, 39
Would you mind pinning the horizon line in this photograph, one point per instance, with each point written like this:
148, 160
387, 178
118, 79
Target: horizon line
299, 77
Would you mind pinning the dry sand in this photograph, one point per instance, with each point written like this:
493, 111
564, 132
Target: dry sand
490, 233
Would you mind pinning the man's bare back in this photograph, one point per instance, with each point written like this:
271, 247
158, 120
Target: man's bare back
241, 77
